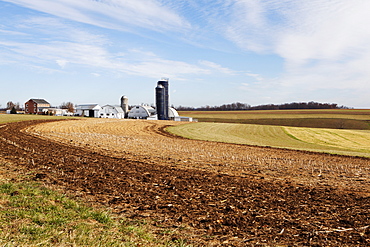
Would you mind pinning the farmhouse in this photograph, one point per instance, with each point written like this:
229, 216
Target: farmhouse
112, 111
88, 110
36, 106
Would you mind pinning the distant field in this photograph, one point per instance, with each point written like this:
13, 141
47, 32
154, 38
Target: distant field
336, 119
6, 118
346, 142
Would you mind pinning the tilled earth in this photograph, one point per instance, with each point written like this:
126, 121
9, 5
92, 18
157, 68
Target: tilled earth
206, 208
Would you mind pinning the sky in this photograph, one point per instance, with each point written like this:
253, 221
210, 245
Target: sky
214, 52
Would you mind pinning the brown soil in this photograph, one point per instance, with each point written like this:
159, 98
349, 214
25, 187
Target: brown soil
203, 204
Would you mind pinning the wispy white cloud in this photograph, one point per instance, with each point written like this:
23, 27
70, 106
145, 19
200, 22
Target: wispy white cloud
92, 56
62, 44
167, 68
300, 31
62, 63
257, 77
217, 67
7, 32
113, 14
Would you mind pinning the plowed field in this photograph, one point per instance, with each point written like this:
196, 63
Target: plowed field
205, 192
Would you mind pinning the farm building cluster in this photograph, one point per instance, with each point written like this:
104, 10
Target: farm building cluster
161, 111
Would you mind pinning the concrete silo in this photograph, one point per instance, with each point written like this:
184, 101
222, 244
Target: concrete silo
160, 102
165, 84
124, 104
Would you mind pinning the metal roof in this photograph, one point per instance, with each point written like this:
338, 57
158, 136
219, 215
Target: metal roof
40, 101
87, 106
117, 107
172, 112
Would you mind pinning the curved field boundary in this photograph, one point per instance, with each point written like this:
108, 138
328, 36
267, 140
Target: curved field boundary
345, 142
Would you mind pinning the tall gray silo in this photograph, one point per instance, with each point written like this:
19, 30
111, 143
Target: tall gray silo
124, 105
165, 84
160, 101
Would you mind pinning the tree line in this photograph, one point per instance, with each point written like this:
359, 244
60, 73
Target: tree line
243, 106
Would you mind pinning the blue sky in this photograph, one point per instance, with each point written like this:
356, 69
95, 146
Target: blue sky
213, 52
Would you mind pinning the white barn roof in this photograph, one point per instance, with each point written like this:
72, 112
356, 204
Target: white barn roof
115, 107
88, 107
172, 112
142, 111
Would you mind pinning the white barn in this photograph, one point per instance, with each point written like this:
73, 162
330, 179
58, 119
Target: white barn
172, 113
174, 116
141, 112
88, 110
112, 111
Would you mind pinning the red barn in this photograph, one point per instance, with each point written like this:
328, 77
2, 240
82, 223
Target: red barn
36, 106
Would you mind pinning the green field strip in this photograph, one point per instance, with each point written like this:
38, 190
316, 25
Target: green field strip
351, 140
260, 135
346, 142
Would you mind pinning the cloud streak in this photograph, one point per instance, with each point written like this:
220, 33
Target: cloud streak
69, 47
112, 14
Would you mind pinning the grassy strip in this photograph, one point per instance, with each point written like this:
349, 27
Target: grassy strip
351, 140
33, 215
259, 135
346, 142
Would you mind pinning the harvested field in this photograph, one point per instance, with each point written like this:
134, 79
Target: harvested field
206, 192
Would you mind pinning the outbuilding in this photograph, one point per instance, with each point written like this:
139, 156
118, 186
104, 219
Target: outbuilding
172, 113
141, 112
88, 110
112, 111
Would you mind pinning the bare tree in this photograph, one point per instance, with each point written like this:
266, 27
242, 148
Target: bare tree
68, 105
10, 105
